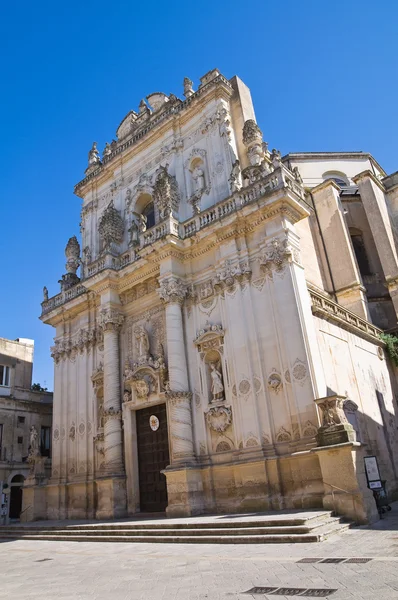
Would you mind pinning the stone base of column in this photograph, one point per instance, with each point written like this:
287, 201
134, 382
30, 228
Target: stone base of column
345, 484
335, 434
34, 501
184, 492
111, 498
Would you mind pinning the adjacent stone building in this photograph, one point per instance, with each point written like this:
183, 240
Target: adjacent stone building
221, 350
21, 408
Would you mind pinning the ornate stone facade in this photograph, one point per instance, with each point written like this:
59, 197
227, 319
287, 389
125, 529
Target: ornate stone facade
222, 302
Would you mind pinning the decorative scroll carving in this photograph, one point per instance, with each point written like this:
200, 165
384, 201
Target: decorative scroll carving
110, 319
277, 253
283, 435
82, 341
111, 413
332, 411
229, 275
172, 290
219, 418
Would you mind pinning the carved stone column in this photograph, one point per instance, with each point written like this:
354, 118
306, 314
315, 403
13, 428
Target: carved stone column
110, 322
181, 426
172, 291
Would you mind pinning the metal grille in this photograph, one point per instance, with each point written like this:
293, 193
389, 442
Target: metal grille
332, 560
309, 560
358, 560
284, 591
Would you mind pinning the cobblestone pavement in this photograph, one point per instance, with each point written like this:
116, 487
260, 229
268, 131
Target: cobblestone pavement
52, 570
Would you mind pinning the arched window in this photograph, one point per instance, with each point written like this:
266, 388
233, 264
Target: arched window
360, 251
339, 178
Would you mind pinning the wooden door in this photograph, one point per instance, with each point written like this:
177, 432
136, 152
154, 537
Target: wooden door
153, 457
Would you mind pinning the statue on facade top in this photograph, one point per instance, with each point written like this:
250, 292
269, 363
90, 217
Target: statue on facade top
107, 150
93, 155
72, 253
45, 294
188, 89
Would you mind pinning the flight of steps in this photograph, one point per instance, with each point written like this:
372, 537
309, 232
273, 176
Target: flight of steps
262, 530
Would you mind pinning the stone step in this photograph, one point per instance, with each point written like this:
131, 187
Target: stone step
196, 539
161, 530
316, 531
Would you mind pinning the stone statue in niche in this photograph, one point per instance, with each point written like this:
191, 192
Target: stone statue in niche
142, 344
198, 177
217, 386
235, 179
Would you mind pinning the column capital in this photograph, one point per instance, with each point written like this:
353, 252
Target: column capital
177, 397
172, 290
110, 319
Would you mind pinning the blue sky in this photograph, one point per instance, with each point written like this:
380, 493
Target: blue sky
323, 76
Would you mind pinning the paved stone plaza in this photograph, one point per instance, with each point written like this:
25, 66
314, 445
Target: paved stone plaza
120, 571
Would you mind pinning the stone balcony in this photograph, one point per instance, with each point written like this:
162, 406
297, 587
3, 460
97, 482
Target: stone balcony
279, 179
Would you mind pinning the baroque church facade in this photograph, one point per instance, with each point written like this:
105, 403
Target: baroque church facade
220, 350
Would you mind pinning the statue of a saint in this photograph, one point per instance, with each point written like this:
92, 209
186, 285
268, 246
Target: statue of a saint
235, 179
107, 150
93, 155
142, 344
199, 178
217, 387
34, 449
134, 233
126, 396
45, 294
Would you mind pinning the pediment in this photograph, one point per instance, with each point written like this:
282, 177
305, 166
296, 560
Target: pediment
127, 125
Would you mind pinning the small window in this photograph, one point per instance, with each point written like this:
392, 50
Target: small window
4, 376
149, 213
45, 441
339, 181
20, 440
21, 420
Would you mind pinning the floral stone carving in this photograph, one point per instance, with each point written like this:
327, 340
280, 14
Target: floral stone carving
111, 227
165, 194
219, 418
172, 290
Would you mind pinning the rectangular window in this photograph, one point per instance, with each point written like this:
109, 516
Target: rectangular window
21, 420
20, 440
4, 376
45, 441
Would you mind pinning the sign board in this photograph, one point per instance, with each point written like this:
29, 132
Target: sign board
372, 473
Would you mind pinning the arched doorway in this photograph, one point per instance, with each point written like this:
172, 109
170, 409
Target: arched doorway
16, 496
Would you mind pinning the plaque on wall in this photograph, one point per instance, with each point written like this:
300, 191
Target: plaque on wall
372, 472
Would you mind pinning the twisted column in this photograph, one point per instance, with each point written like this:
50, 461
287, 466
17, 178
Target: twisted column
173, 291
111, 321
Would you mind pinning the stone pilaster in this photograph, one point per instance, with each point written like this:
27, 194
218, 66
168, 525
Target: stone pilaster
346, 276
110, 322
375, 205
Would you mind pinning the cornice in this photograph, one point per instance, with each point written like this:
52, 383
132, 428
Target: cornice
368, 175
